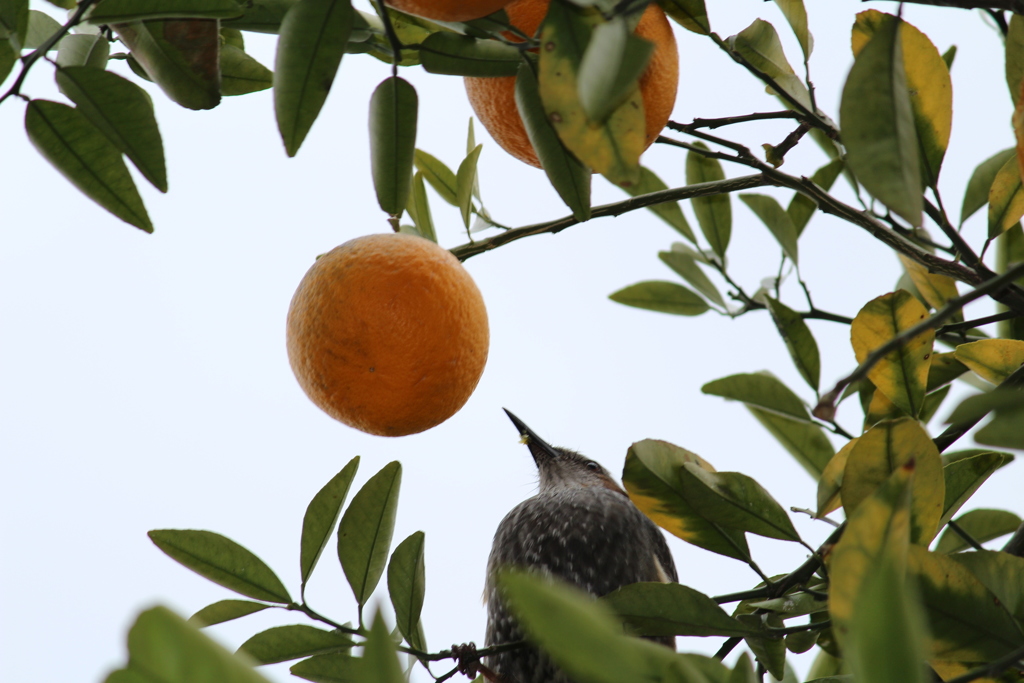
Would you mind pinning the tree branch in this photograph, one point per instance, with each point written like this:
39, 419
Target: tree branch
992, 669
1012, 5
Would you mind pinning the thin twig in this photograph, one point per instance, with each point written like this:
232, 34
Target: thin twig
760, 116
959, 531
727, 647
978, 322
993, 668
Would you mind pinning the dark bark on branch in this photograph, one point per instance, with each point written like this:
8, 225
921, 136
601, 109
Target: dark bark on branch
1011, 5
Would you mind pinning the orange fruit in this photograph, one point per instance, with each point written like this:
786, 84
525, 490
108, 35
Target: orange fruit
388, 334
448, 10
494, 99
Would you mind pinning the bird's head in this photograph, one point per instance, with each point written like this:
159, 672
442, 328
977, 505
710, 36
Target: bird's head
560, 468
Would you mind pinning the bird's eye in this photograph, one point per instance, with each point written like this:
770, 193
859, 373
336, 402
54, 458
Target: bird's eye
593, 466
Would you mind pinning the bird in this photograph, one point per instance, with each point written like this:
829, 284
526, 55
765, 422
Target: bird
582, 528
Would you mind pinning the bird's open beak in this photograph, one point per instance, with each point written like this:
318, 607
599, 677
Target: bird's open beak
539, 448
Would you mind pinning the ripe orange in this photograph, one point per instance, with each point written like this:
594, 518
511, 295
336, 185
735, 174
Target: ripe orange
388, 334
494, 100
448, 10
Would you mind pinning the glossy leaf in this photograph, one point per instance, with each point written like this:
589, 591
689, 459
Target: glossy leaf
380, 658
902, 374
225, 610
435, 172
240, 74
967, 622
122, 11
179, 55
964, 472
612, 148
982, 525
735, 501
686, 267
651, 477
309, 51
364, 535
883, 449
83, 155
321, 515
1005, 199
664, 297
936, 289
163, 646
759, 44
796, 15
610, 68
930, 88
799, 340
878, 124
465, 179
670, 211
393, 114
672, 609
690, 14
453, 54
82, 49
976, 195
879, 526
1000, 572
332, 668
802, 207
831, 481
569, 177
776, 219
123, 112
714, 213
1014, 55
406, 586
419, 209
284, 643
222, 561
992, 359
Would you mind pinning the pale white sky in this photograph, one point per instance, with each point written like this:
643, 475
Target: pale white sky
145, 381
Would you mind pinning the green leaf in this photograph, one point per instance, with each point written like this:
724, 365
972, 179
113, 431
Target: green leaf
225, 610
40, 27
14, 22
164, 647
776, 219
884, 448
796, 15
672, 609
964, 472
393, 114
714, 213
122, 11
612, 63
799, 340
802, 207
686, 267
664, 297
569, 177
364, 535
1001, 573
1004, 429
1015, 56
465, 179
123, 112
831, 481
284, 643
321, 515
330, 669
222, 561
792, 605
761, 390
770, 652
457, 55
83, 155
982, 525
932, 402
944, 368
82, 49
241, 74
8, 58
181, 56
759, 45
1005, 199
902, 375
419, 209
440, 177
669, 211
261, 16
380, 658
690, 14
805, 441
309, 51
651, 478
878, 124
406, 586
735, 501
976, 195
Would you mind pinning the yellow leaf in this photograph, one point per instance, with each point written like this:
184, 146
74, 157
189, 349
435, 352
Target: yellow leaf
948, 670
901, 375
880, 408
936, 289
883, 449
1005, 199
831, 480
993, 359
931, 90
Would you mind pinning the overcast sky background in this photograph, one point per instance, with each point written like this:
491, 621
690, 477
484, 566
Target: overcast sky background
146, 385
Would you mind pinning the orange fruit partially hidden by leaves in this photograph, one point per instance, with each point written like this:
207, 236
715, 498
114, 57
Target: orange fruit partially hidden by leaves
448, 10
388, 334
494, 99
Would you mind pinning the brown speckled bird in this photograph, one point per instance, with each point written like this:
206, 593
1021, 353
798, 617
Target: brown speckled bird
582, 528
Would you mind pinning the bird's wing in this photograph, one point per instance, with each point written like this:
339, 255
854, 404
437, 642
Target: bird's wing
661, 552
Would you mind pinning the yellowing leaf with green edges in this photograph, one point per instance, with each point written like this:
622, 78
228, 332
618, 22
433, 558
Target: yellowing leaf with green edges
1001, 573
651, 478
993, 359
1005, 199
964, 472
880, 408
881, 524
831, 481
901, 375
935, 288
929, 86
967, 621
884, 448
612, 148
